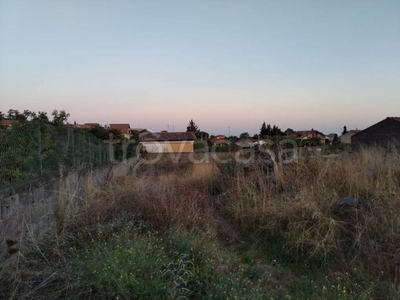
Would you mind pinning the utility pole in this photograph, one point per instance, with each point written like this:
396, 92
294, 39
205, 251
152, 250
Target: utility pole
229, 131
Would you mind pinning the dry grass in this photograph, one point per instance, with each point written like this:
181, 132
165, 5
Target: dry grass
295, 204
175, 196
300, 206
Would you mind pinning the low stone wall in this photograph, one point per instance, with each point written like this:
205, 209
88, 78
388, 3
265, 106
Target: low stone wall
29, 206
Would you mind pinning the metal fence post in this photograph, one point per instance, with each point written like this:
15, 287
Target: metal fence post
40, 149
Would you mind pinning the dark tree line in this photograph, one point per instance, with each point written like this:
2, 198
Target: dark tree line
58, 117
268, 130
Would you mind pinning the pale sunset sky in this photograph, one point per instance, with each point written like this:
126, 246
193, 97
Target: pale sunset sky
225, 64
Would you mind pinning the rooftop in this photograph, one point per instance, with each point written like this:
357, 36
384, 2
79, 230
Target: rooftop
167, 136
7, 122
395, 118
86, 125
123, 127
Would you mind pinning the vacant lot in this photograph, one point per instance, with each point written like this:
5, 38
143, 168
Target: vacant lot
178, 230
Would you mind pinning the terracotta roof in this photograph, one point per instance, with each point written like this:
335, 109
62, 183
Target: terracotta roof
166, 136
124, 128
306, 133
86, 125
395, 118
219, 140
220, 136
7, 122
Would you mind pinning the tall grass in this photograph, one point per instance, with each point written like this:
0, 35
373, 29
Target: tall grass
181, 230
300, 209
176, 197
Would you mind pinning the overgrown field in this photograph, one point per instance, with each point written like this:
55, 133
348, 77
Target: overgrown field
223, 231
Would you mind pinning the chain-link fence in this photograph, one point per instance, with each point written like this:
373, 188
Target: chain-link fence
33, 149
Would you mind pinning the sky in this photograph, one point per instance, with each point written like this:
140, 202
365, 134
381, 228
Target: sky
228, 65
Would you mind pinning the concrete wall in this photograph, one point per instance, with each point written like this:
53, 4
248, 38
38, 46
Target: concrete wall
29, 206
180, 147
346, 138
168, 146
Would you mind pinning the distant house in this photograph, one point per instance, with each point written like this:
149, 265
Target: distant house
382, 134
167, 142
7, 123
346, 138
125, 129
332, 137
306, 135
85, 126
219, 140
246, 143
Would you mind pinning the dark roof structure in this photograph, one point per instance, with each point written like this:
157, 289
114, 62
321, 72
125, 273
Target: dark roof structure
395, 118
383, 134
166, 136
354, 130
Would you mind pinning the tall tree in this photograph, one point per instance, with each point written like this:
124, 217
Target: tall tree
263, 130
59, 118
192, 127
269, 130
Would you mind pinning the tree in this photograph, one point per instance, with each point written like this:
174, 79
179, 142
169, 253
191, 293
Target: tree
12, 114
288, 131
192, 127
276, 131
344, 129
244, 135
268, 130
42, 117
2, 117
263, 130
29, 114
335, 139
204, 135
59, 118
99, 131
